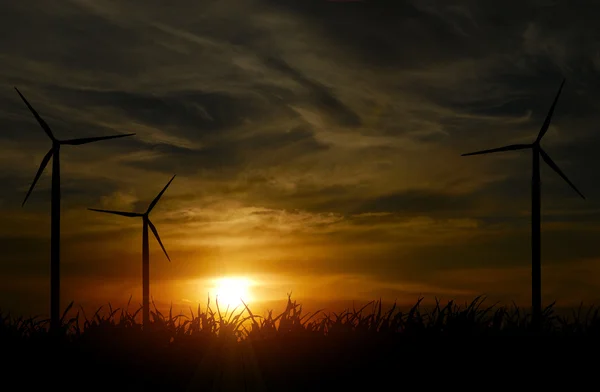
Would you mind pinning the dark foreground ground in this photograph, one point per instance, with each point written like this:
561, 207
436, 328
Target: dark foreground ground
309, 365
449, 349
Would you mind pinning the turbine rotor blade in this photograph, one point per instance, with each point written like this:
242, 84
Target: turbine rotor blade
555, 167
546, 124
40, 120
39, 173
157, 198
85, 140
512, 147
122, 213
158, 238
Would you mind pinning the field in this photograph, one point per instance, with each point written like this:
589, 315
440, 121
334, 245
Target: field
210, 348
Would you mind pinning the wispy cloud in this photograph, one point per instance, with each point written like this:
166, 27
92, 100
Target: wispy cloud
321, 138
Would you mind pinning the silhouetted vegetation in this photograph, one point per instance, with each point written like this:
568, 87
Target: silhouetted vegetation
177, 350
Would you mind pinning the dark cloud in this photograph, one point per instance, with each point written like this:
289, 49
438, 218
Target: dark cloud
418, 262
319, 95
383, 33
195, 114
69, 38
306, 196
304, 109
418, 202
227, 157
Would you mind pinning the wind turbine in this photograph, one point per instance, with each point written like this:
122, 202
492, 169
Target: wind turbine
145, 249
536, 268
54, 153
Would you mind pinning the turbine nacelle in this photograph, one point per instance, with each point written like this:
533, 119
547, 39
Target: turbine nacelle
56, 143
535, 146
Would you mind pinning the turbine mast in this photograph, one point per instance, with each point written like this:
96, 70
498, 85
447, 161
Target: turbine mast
55, 243
536, 243
55, 321
145, 274
536, 259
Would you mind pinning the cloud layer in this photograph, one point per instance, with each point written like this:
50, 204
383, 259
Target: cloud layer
309, 138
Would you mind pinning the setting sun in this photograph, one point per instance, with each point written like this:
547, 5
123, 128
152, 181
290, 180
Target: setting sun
230, 291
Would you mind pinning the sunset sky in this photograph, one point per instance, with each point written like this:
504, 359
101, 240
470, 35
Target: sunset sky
316, 146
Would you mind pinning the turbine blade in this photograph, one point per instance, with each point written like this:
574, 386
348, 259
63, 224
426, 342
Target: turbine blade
158, 238
159, 195
128, 214
40, 120
39, 173
546, 124
555, 167
85, 140
512, 147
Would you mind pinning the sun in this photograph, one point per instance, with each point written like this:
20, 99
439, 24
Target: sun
230, 291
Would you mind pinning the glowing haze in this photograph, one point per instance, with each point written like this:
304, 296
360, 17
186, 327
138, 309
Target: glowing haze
316, 145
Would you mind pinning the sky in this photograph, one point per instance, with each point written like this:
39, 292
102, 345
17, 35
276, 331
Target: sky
316, 147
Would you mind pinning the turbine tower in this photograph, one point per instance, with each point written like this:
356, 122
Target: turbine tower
536, 267
54, 153
145, 249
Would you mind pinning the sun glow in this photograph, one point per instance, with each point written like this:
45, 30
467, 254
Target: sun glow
230, 291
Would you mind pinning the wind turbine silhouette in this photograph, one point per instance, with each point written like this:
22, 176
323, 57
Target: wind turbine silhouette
54, 153
145, 249
536, 267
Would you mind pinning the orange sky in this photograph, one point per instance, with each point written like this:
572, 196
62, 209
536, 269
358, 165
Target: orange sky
316, 147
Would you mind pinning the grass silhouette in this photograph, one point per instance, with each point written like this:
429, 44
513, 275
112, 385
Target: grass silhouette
193, 351
241, 324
